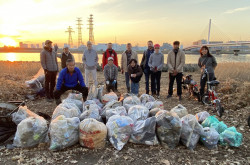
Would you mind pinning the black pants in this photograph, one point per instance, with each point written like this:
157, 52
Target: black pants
204, 81
155, 82
178, 78
50, 83
110, 86
78, 87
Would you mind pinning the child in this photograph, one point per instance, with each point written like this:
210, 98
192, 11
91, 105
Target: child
110, 74
135, 74
155, 63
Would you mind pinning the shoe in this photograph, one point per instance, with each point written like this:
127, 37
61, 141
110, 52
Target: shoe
169, 96
180, 98
58, 101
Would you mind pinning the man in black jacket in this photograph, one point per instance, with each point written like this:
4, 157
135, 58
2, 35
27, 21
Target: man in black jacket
65, 56
144, 64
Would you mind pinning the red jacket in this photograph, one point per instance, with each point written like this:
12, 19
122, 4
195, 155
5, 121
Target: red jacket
106, 55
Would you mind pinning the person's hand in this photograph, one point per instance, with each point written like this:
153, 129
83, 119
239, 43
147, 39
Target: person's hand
55, 47
45, 71
133, 75
175, 72
114, 82
122, 71
107, 82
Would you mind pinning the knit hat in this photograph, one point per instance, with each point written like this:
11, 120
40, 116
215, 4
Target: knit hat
110, 58
157, 46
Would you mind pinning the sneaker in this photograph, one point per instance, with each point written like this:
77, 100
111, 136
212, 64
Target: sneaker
58, 101
169, 96
180, 98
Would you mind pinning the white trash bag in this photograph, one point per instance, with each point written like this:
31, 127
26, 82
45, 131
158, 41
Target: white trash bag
22, 113
131, 101
75, 96
210, 138
30, 132
201, 116
138, 112
110, 105
109, 97
144, 132
64, 132
78, 103
154, 104
146, 98
67, 112
119, 130
91, 113
180, 110
121, 111
92, 134
191, 131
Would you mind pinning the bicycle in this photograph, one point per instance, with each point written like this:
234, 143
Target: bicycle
211, 97
192, 86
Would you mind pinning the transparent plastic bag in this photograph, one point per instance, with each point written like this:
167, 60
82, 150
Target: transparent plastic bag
131, 101
209, 121
138, 112
22, 113
191, 131
100, 92
219, 127
121, 111
37, 82
210, 138
180, 110
91, 113
78, 103
67, 112
146, 98
168, 129
154, 111
144, 132
92, 134
109, 97
201, 116
91, 107
231, 137
75, 96
119, 130
93, 92
160, 112
154, 104
30, 132
64, 132
98, 102
69, 105
110, 105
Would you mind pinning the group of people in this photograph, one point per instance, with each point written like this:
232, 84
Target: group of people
70, 77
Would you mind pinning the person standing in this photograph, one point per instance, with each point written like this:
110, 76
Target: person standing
48, 58
70, 78
175, 62
135, 74
110, 74
144, 64
65, 56
156, 62
206, 61
126, 57
109, 53
90, 60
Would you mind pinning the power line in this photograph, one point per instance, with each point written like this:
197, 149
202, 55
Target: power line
79, 29
91, 29
70, 41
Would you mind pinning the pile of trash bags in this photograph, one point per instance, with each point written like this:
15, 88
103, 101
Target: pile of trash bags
140, 120
37, 82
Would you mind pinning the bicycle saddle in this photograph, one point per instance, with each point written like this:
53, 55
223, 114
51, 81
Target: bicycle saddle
213, 83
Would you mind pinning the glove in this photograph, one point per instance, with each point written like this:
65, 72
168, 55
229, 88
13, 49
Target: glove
107, 82
55, 47
114, 82
45, 71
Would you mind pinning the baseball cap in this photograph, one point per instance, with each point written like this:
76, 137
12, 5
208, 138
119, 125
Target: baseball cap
110, 58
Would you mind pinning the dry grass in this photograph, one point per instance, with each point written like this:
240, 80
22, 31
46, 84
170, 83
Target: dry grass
239, 71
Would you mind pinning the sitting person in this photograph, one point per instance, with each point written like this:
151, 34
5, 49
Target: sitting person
70, 78
110, 74
135, 74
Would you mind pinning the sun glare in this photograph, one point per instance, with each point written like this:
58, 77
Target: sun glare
8, 41
11, 57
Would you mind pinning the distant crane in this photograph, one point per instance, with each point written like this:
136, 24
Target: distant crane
79, 29
91, 29
70, 41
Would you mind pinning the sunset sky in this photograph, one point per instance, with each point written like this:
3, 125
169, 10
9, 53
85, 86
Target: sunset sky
135, 21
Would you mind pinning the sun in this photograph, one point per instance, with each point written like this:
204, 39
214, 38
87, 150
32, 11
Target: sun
8, 41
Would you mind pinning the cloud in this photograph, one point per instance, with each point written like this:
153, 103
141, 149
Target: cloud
237, 10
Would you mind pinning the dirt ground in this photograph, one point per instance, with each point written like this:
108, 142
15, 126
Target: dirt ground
236, 113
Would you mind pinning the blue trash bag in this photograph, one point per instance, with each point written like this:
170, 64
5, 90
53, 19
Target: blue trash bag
231, 137
209, 121
219, 127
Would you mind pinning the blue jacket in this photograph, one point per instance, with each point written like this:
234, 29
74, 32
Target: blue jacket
68, 80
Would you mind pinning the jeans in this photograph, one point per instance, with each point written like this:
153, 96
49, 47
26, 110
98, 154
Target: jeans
94, 76
135, 88
178, 78
147, 75
155, 82
50, 83
127, 80
78, 87
204, 81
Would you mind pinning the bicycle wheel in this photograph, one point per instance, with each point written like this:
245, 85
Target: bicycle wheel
219, 108
206, 100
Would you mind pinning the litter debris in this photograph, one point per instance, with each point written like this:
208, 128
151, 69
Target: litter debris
180, 110
138, 112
